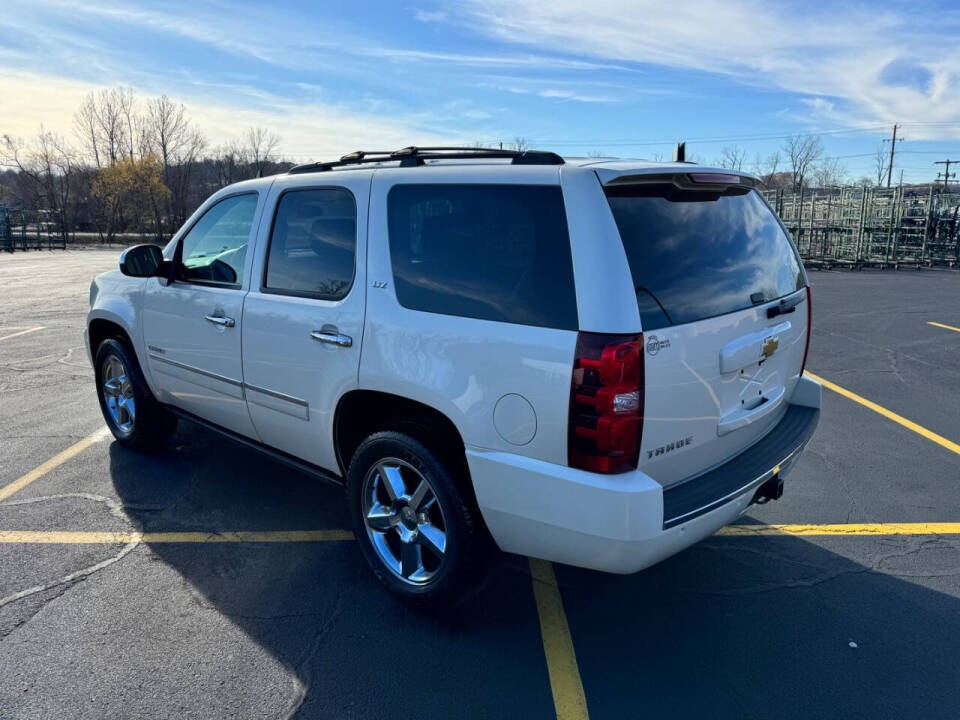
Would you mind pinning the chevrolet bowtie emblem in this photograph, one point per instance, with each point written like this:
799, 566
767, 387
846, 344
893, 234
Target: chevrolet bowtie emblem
770, 346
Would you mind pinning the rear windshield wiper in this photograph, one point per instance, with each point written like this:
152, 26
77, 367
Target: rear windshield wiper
641, 289
787, 305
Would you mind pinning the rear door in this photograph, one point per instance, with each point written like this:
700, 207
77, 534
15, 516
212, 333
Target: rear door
303, 318
723, 305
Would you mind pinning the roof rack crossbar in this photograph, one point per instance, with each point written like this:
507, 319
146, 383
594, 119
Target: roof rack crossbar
413, 156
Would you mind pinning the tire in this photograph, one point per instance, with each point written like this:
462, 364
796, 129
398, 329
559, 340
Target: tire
397, 530
131, 412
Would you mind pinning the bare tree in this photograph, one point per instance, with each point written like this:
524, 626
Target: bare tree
881, 160
50, 166
230, 163
520, 144
829, 172
137, 165
87, 128
261, 144
766, 168
802, 153
106, 125
733, 157
178, 144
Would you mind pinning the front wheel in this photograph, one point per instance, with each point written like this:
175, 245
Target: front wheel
413, 527
133, 415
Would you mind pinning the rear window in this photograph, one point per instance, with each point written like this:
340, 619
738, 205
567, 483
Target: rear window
695, 255
491, 252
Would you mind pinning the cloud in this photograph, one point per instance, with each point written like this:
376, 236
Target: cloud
571, 95
279, 39
430, 16
308, 131
881, 64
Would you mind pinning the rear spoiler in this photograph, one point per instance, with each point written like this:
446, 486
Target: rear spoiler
706, 180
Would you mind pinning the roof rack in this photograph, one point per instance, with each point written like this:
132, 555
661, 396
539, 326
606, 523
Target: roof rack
414, 156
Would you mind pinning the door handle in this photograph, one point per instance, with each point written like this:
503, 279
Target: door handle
220, 320
332, 338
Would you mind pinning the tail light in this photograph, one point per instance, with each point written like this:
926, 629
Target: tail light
606, 403
806, 349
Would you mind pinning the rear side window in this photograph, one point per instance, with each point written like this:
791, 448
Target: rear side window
313, 244
695, 255
492, 252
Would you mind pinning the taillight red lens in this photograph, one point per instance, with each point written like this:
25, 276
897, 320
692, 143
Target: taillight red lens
606, 403
806, 349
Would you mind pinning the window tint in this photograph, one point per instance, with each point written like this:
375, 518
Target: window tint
214, 249
695, 255
313, 244
493, 252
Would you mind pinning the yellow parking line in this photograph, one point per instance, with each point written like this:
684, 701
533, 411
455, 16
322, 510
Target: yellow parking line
569, 702
553, 621
939, 528
22, 332
889, 414
53, 463
69, 537
945, 327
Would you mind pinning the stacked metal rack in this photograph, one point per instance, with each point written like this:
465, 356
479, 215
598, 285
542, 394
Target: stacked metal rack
873, 227
28, 230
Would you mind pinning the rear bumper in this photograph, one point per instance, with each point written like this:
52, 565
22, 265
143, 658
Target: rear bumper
624, 523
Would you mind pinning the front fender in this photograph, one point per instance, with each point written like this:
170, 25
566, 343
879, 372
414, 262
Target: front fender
118, 299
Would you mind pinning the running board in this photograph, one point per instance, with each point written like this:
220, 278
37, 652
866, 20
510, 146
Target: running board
278, 455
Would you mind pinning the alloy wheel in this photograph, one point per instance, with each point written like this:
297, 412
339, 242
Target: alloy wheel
404, 521
118, 394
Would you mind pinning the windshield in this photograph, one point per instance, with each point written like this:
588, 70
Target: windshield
696, 254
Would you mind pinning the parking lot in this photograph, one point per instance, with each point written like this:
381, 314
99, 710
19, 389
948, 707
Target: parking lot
208, 581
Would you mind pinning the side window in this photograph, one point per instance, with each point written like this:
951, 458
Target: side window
492, 252
214, 249
313, 244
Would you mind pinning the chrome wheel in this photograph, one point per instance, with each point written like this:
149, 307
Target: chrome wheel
118, 394
404, 521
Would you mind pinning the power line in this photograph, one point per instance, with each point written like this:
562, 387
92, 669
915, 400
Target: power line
946, 174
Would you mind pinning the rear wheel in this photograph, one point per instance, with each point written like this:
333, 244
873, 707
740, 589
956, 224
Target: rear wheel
413, 527
134, 417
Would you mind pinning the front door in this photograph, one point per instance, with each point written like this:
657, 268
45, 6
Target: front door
303, 317
192, 326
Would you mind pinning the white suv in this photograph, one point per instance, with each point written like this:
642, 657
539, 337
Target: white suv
596, 363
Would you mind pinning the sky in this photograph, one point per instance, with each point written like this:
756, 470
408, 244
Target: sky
614, 77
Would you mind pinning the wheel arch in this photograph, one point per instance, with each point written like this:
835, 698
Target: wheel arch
105, 323
361, 413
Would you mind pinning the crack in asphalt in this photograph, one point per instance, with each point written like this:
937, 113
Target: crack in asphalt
301, 687
115, 508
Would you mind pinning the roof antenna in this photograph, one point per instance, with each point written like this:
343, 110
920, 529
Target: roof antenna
680, 152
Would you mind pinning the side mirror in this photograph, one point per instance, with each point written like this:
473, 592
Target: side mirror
141, 261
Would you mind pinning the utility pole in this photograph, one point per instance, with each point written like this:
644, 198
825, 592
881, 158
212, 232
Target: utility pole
946, 174
893, 147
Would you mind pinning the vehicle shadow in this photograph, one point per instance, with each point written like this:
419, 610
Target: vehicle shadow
734, 627
316, 607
